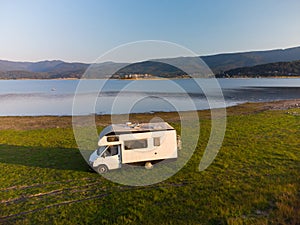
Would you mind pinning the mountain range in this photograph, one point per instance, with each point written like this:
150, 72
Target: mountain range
279, 69
232, 64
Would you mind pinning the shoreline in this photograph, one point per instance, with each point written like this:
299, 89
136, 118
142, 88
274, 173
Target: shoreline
162, 78
45, 122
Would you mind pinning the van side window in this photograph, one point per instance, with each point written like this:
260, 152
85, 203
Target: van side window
111, 151
135, 144
156, 141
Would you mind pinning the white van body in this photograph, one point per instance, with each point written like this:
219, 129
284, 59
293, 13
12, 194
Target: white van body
132, 143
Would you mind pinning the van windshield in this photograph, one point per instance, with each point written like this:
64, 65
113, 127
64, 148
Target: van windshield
101, 149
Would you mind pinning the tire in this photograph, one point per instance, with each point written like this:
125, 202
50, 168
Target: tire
102, 169
148, 165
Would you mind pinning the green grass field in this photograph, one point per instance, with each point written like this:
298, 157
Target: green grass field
255, 179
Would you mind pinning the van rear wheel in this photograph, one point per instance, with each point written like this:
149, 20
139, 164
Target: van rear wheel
102, 169
148, 165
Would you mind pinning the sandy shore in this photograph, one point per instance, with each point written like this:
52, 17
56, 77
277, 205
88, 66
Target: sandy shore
42, 122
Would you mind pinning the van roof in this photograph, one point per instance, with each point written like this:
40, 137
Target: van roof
135, 128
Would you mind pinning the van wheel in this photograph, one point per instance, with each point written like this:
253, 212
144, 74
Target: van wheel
148, 165
102, 169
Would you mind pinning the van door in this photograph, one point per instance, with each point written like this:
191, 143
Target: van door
111, 157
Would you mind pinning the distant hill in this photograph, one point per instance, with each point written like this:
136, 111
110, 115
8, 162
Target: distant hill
42, 66
149, 69
286, 69
41, 70
223, 62
219, 64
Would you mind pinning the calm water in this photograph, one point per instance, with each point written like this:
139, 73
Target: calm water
55, 97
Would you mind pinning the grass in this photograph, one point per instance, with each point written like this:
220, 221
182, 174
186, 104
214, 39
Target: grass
253, 180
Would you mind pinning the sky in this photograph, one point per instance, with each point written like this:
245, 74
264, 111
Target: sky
82, 30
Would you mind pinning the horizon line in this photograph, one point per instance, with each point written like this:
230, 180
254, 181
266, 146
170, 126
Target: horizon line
206, 55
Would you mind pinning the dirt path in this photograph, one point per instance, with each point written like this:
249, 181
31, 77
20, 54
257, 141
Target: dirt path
86, 188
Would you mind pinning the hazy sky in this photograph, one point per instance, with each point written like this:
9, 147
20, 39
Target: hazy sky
33, 30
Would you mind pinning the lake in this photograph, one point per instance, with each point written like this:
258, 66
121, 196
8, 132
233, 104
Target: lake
55, 97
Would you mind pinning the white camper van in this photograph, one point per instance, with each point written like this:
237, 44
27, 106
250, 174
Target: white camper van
129, 143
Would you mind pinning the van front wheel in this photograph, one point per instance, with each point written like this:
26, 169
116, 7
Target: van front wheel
102, 169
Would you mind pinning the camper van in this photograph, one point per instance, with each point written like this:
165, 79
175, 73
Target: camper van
143, 144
